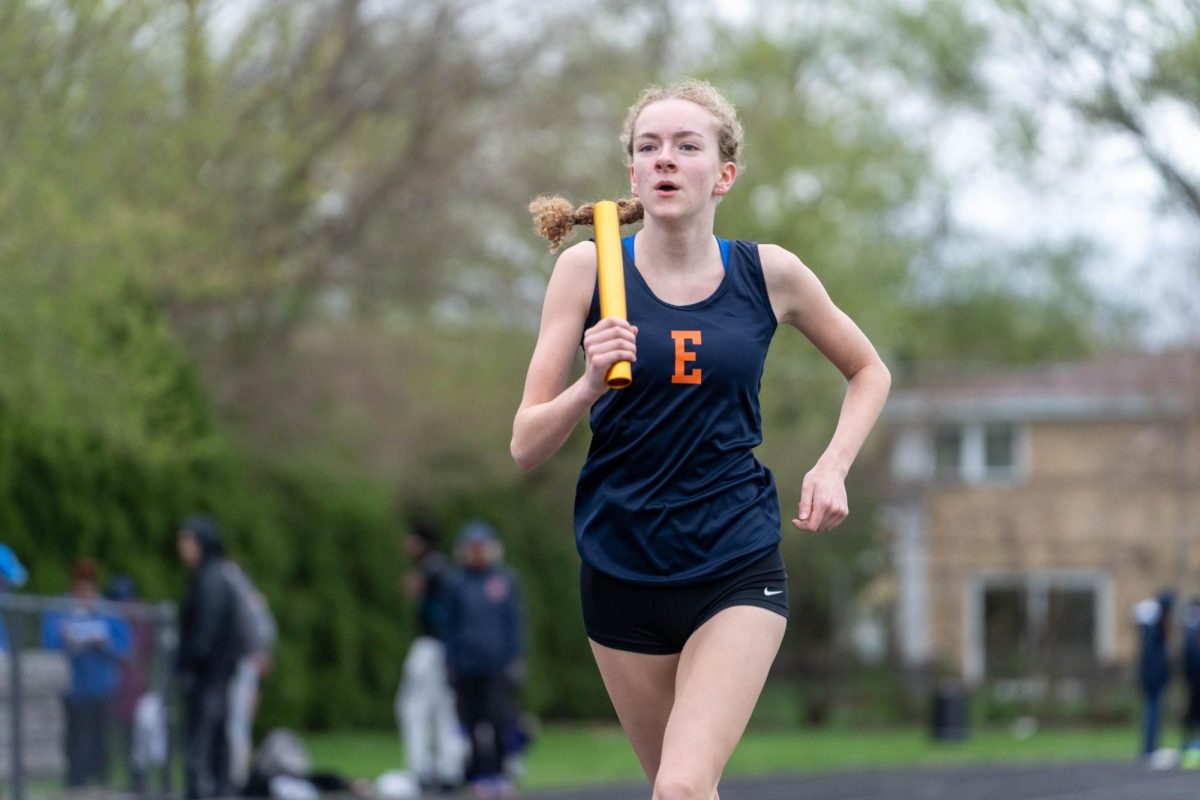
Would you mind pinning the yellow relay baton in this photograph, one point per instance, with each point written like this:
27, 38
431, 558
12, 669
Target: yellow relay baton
611, 267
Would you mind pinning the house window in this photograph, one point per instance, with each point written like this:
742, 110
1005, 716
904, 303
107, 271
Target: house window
1070, 628
947, 451
1041, 624
1000, 449
1006, 641
977, 452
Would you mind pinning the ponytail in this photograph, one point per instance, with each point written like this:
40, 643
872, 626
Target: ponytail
553, 216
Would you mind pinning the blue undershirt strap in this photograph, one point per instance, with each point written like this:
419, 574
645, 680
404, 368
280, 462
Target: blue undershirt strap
723, 244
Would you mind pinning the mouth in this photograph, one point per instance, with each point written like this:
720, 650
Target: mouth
666, 187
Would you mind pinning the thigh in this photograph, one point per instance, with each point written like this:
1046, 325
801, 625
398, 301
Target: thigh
641, 687
721, 673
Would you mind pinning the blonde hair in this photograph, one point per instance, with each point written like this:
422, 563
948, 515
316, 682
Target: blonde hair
554, 216
730, 133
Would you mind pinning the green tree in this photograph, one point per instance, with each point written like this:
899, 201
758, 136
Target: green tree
274, 262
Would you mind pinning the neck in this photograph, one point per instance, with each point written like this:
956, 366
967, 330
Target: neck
676, 244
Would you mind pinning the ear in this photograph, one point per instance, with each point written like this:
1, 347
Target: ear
632, 183
729, 171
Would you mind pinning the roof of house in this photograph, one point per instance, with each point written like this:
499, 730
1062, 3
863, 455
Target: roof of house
1120, 385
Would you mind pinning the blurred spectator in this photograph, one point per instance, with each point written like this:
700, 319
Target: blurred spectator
12, 573
209, 650
484, 647
256, 628
134, 680
1191, 674
95, 641
282, 770
425, 706
1153, 617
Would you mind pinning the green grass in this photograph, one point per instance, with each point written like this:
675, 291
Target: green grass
578, 755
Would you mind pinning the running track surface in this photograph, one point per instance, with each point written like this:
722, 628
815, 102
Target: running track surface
1058, 782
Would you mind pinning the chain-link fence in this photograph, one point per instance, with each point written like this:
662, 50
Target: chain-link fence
84, 697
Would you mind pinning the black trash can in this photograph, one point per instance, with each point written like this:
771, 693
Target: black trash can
949, 717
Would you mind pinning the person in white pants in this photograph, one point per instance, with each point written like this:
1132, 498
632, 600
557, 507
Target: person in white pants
426, 713
257, 631
243, 702
425, 708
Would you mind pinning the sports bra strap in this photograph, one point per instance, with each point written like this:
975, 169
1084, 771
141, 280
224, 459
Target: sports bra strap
723, 244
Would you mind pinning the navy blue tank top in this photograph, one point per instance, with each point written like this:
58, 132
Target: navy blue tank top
671, 492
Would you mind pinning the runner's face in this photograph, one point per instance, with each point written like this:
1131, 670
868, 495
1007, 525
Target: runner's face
677, 169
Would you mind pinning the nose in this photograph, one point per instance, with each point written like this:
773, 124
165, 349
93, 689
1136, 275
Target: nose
664, 161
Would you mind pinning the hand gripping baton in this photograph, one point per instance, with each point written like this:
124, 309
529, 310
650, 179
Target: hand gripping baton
611, 267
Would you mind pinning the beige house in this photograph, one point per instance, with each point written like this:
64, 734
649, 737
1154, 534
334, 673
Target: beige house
1031, 509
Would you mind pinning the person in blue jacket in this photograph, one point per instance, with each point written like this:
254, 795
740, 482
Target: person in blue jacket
485, 648
96, 642
1153, 618
12, 573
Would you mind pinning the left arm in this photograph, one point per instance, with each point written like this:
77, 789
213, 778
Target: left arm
799, 300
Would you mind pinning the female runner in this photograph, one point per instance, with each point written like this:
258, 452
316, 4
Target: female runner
677, 523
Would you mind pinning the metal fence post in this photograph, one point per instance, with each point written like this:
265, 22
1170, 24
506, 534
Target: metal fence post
168, 641
14, 717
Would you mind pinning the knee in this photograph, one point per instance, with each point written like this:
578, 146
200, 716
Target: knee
680, 786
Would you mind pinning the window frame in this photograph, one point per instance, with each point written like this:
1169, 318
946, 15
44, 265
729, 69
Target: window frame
1036, 585
973, 465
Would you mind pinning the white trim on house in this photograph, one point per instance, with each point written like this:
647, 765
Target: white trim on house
925, 406
910, 557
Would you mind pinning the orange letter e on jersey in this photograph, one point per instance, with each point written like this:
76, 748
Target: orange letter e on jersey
683, 356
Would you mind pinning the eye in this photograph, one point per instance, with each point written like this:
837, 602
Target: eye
645, 148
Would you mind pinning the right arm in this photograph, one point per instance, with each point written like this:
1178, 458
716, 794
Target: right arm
550, 409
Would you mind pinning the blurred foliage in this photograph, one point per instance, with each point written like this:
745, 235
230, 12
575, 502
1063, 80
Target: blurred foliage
1052, 84
272, 261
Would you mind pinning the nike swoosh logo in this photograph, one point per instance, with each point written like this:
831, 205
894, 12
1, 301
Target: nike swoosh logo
769, 593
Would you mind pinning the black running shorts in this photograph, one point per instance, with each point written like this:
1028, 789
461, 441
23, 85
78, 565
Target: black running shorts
659, 619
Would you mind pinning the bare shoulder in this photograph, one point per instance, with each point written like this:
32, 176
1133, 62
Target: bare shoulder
572, 284
801, 301
580, 255
575, 271
791, 285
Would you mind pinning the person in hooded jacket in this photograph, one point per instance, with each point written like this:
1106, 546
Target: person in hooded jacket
209, 651
1153, 618
484, 653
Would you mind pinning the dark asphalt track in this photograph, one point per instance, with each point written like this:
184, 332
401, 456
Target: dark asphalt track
1057, 782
